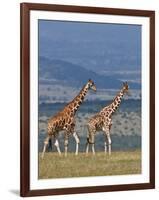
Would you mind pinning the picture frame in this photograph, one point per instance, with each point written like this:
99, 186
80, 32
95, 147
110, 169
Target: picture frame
26, 84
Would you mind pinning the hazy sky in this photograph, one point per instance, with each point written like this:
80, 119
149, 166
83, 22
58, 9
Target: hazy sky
80, 43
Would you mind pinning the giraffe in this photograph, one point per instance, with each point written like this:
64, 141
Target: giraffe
64, 120
102, 121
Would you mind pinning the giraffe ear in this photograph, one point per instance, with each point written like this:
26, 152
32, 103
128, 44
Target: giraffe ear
125, 83
89, 79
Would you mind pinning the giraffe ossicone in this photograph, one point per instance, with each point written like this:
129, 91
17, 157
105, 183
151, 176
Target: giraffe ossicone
102, 121
64, 120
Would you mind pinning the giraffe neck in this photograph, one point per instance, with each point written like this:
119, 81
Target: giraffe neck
116, 102
114, 105
77, 101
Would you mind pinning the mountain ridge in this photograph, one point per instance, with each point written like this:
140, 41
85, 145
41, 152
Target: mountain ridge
53, 71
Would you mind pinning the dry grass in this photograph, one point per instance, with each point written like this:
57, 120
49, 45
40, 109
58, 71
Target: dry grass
119, 163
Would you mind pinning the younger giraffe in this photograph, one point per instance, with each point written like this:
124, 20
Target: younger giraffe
65, 120
102, 121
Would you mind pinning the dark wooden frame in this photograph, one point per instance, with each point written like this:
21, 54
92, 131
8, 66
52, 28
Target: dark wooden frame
25, 9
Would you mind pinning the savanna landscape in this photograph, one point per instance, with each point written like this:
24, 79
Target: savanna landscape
126, 144
119, 163
109, 55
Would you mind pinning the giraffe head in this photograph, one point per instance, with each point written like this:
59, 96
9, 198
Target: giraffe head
125, 88
91, 85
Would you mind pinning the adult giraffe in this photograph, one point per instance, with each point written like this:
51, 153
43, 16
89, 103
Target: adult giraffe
102, 121
65, 120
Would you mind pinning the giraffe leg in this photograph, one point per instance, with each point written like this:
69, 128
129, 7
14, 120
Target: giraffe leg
77, 142
109, 139
91, 138
87, 146
93, 150
109, 143
66, 144
46, 141
87, 143
105, 146
106, 129
57, 146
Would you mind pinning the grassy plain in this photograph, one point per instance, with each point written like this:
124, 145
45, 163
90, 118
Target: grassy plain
119, 163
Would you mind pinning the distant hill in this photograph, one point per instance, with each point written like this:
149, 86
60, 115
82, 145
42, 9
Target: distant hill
113, 47
66, 73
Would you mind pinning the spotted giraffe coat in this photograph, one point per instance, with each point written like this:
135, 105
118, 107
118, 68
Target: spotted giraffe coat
102, 121
65, 119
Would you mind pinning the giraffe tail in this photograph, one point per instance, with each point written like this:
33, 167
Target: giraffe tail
50, 144
85, 131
